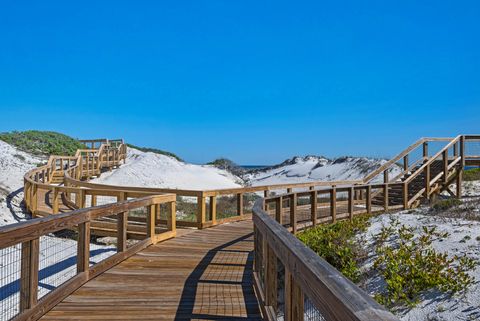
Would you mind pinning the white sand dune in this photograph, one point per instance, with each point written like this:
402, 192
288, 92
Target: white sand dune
154, 170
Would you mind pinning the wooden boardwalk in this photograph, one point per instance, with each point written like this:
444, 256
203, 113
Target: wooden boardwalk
201, 275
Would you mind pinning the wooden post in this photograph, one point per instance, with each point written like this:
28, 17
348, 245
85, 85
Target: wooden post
385, 176
294, 308
81, 203
83, 247
29, 274
240, 204
462, 151
425, 150
405, 162
265, 204
368, 199
385, 197
278, 209
333, 204
459, 184
26, 193
55, 200
94, 200
122, 220
293, 213
351, 193
151, 221
172, 217
445, 166
427, 181
313, 207
405, 195
201, 209
158, 214
213, 209
88, 165
257, 262
270, 278
34, 199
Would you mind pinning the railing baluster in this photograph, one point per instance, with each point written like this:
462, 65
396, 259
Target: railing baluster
427, 181
279, 209
83, 247
151, 222
240, 204
293, 212
385, 197
172, 217
213, 209
405, 195
313, 207
369, 199
351, 193
294, 307
445, 165
55, 200
122, 219
201, 209
29, 274
270, 278
333, 204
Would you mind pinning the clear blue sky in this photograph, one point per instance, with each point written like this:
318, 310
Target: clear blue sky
254, 81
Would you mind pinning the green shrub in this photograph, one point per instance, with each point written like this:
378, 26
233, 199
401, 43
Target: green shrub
156, 151
411, 266
42, 142
338, 245
446, 204
471, 174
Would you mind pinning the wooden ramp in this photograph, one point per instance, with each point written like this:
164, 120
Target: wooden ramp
202, 275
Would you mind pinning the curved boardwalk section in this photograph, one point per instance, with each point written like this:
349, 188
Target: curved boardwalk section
158, 272
203, 275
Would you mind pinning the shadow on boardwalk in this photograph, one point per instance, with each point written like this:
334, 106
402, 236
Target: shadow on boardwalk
217, 274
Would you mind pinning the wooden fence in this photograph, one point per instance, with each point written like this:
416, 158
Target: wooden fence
292, 282
29, 234
205, 208
311, 285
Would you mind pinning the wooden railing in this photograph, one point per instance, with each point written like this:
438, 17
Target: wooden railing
309, 284
212, 207
30, 233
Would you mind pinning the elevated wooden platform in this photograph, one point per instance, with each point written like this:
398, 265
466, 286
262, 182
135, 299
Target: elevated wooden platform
202, 275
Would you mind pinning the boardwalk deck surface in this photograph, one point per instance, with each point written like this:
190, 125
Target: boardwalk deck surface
202, 275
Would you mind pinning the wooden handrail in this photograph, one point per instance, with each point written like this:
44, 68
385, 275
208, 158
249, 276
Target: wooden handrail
83, 168
306, 276
335, 197
433, 158
393, 161
29, 234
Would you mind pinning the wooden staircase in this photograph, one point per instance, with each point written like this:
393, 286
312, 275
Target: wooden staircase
395, 192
